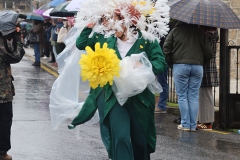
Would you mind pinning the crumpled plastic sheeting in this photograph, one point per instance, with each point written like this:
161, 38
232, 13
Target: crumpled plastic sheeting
68, 91
70, 42
135, 76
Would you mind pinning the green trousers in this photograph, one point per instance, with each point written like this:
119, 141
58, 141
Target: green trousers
122, 133
104, 131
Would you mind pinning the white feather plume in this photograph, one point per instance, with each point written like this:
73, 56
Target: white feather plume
153, 22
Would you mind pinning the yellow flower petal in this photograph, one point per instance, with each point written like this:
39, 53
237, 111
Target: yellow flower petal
100, 66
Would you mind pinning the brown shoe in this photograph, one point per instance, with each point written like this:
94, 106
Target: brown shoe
5, 157
157, 110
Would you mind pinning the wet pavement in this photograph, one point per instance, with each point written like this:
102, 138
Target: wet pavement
34, 139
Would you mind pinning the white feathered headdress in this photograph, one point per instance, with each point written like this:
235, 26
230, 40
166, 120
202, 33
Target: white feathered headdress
150, 17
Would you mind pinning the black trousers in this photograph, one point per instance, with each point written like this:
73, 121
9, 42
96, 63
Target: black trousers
52, 54
47, 49
6, 115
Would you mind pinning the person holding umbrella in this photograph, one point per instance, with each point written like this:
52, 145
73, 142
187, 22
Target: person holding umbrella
187, 48
11, 51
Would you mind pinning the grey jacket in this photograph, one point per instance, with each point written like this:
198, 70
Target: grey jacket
187, 44
13, 53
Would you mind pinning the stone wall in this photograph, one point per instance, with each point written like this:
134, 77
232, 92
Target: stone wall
22, 5
234, 38
234, 34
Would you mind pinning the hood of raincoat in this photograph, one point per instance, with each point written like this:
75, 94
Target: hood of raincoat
8, 21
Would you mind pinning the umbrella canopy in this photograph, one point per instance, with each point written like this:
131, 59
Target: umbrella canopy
56, 2
60, 10
35, 16
214, 13
8, 20
47, 12
74, 5
42, 9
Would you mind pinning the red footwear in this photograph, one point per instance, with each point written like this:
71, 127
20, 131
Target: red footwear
5, 157
54, 64
204, 127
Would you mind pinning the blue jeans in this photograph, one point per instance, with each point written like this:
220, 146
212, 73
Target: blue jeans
162, 79
36, 47
187, 79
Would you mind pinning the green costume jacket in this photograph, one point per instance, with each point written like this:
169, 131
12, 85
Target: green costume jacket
144, 103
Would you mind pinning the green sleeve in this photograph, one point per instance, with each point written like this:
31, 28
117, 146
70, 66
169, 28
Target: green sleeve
156, 57
87, 112
83, 39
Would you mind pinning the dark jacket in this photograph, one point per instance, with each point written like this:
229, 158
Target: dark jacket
54, 34
210, 73
48, 31
38, 28
187, 44
9, 54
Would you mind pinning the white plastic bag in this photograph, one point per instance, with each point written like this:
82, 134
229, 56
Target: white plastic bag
135, 75
69, 93
71, 36
155, 87
63, 57
70, 42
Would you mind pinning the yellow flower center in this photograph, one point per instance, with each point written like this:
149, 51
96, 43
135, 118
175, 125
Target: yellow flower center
101, 65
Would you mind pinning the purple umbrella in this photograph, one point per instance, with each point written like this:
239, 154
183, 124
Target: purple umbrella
42, 9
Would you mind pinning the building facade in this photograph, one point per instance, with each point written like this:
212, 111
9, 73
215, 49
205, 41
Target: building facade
234, 38
24, 6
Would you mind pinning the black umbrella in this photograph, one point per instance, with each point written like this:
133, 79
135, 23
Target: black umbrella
214, 13
60, 11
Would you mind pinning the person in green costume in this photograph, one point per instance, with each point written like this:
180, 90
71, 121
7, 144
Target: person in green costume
99, 37
131, 127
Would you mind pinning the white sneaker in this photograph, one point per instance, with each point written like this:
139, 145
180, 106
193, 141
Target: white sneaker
182, 128
45, 57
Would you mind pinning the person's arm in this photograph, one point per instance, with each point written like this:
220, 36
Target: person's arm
167, 49
83, 39
156, 57
13, 57
207, 49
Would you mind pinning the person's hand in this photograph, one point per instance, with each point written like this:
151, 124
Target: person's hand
18, 29
91, 25
137, 64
